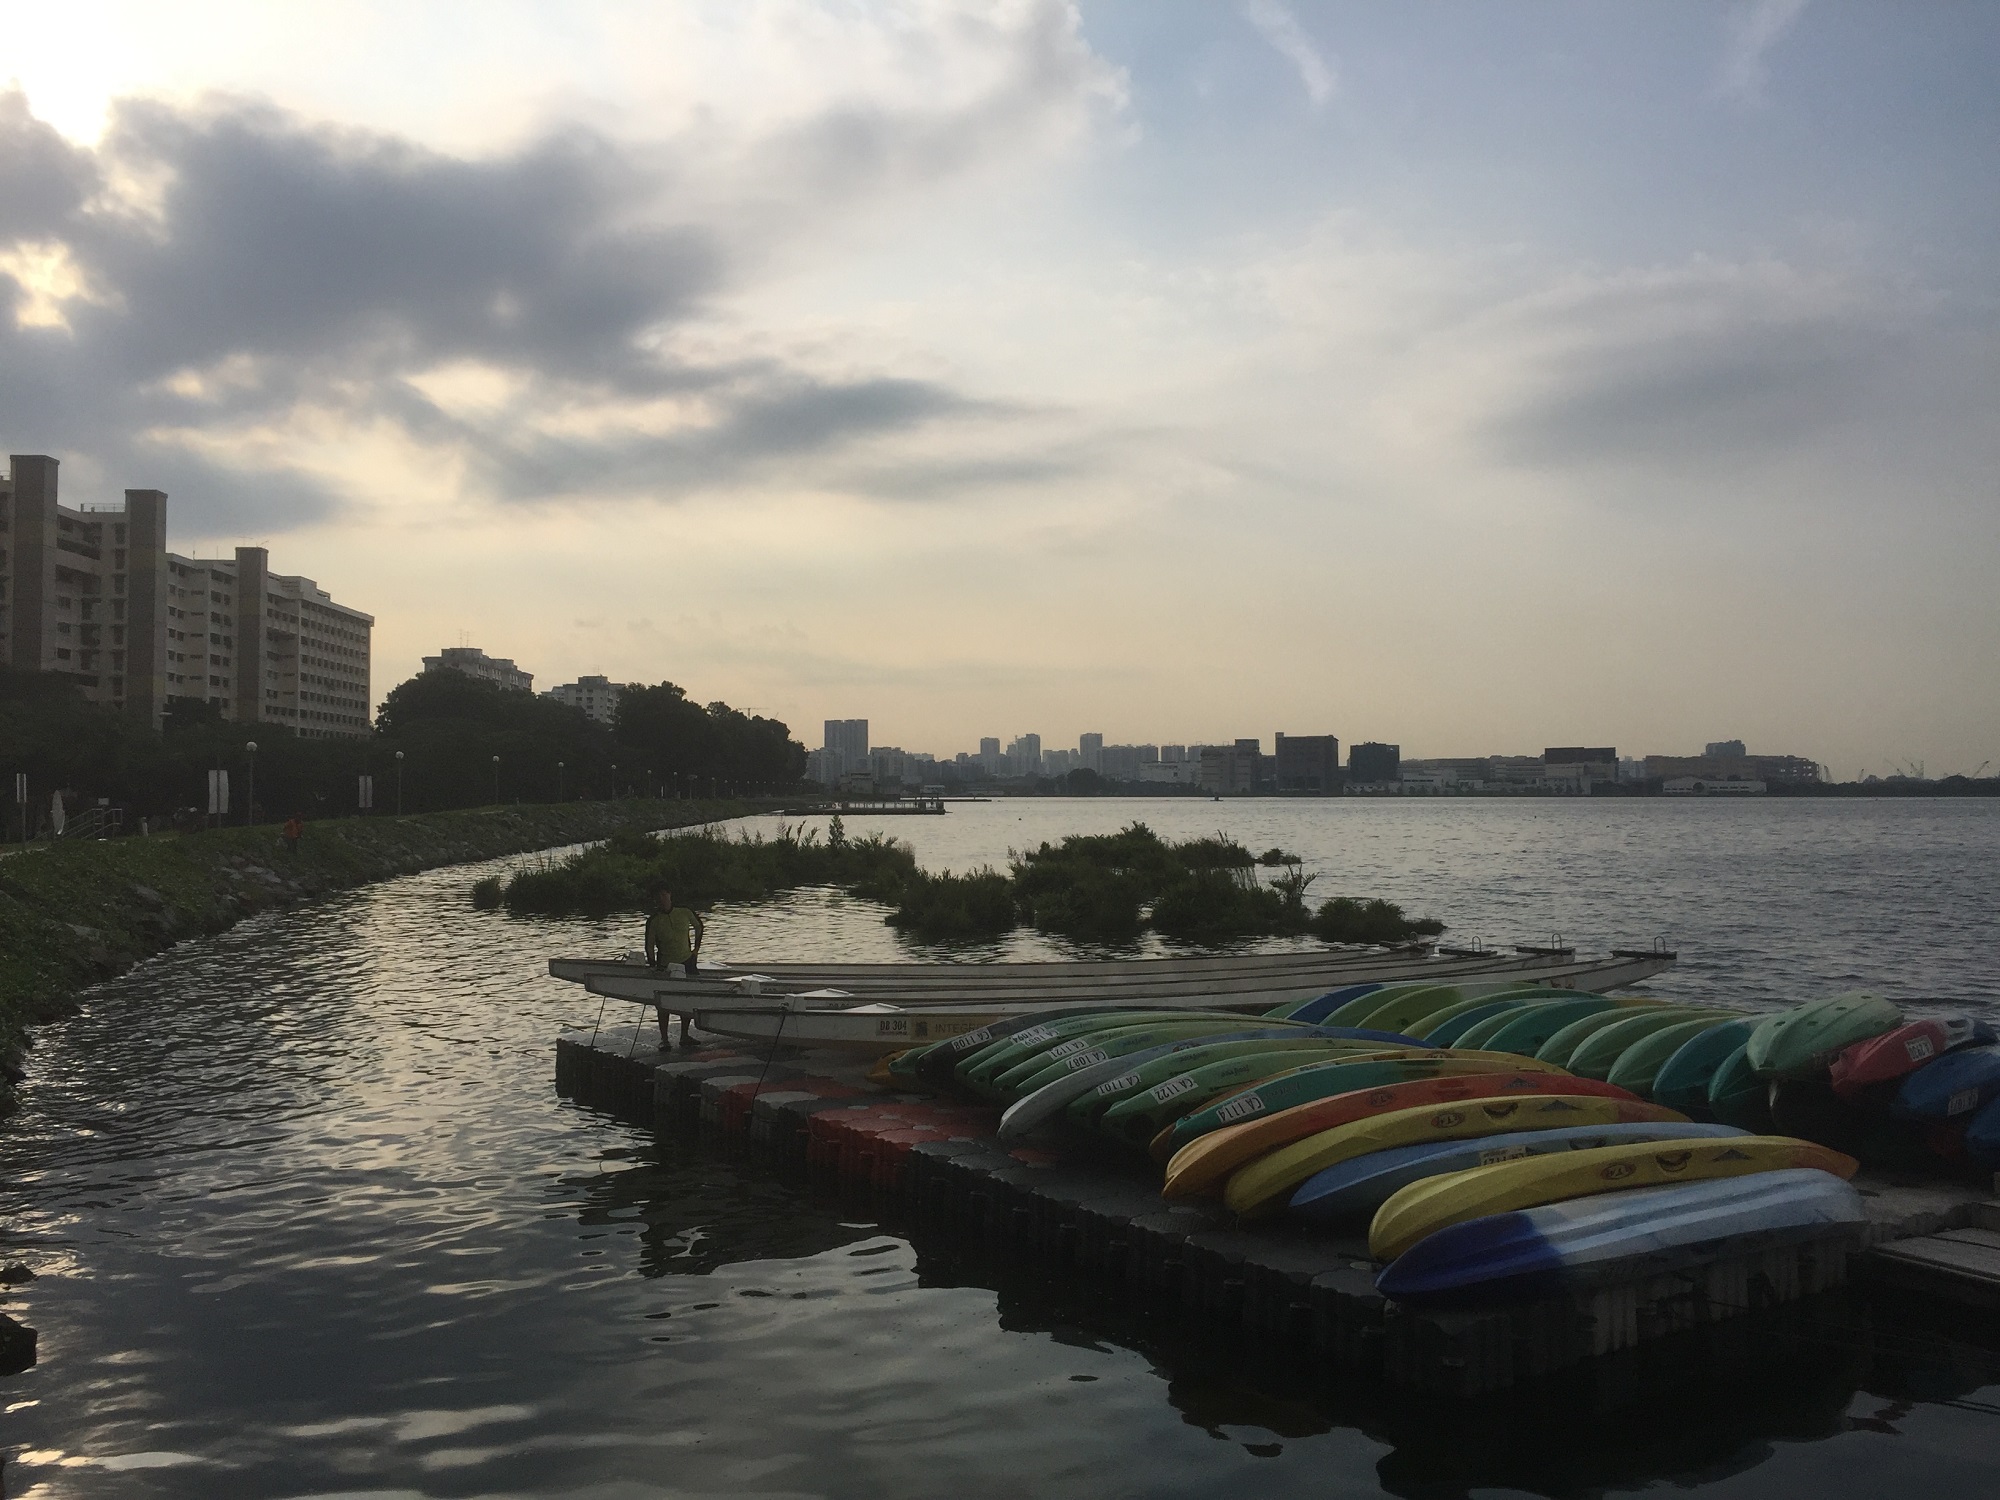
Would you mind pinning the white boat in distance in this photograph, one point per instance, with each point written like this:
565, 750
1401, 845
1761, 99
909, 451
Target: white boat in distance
880, 1007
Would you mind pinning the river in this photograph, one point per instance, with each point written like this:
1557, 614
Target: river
308, 1218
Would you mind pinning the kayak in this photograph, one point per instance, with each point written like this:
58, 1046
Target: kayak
1320, 1005
1359, 1187
1481, 1033
1959, 1083
1196, 1078
1407, 1012
1897, 1054
1559, 1048
1528, 1032
1137, 1118
1423, 1208
1560, 1247
1204, 1163
1682, 1082
1047, 1094
1795, 1043
1350, 1012
1736, 1095
1600, 1052
1264, 1185
1095, 1047
1445, 1029
979, 1070
1639, 1065
1324, 1080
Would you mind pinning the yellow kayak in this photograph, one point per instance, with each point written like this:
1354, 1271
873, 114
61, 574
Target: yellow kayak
1425, 1207
1263, 1186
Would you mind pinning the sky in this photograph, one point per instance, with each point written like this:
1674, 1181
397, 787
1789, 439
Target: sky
1473, 377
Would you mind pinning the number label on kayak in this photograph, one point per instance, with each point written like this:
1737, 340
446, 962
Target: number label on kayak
1919, 1048
1240, 1108
1963, 1100
972, 1039
1081, 1060
1493, 1154
1069, 1048
1034, 1036
1173, 1088
1118, 1085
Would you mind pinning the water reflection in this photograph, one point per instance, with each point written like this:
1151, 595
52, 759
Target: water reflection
310, 1220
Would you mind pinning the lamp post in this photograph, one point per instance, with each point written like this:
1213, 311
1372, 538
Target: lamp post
614, 781
496, 781
559, 766
250, 802
399, 783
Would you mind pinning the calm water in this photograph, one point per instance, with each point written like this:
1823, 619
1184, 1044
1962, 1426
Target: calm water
309, 1219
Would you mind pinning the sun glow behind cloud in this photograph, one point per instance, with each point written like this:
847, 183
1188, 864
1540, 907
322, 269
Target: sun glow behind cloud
972, 369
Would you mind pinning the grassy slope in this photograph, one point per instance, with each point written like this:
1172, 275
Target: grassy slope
76, 913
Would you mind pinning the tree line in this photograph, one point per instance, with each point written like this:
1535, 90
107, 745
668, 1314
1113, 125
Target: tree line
442, 740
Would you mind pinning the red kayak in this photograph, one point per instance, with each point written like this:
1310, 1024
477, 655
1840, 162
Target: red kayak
1899, 1053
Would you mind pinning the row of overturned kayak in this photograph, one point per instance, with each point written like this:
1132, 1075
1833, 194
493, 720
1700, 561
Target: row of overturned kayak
1495, 1146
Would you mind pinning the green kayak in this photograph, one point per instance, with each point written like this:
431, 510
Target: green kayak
1083, 1110
1600, 1052
1801, 1043
1137, 1118
1527, 1033
1561, 1047
1683, 1079
981, 1067
1639, 1065
1098, 1046
1737, 1096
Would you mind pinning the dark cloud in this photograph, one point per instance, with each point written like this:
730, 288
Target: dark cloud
292, 266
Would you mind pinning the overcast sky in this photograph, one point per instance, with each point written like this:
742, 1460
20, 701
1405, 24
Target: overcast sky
1472, 376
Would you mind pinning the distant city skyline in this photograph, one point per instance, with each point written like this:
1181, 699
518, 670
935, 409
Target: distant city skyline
1462, 376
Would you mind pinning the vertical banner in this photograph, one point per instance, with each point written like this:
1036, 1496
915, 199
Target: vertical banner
367, 793
218, 792
21, 788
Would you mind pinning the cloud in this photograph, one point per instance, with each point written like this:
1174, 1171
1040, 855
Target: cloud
1752, 29
1278, 26
218, 289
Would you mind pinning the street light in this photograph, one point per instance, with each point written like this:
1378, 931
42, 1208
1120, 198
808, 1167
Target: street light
250, 804
399, 783
496, 781
559, 766
614, 781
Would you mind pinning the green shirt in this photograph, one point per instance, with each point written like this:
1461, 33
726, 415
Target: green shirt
670, 936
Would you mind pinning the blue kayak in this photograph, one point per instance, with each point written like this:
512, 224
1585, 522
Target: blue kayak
1322, 1006
1952, 1087
1362, 1185
1541, 1252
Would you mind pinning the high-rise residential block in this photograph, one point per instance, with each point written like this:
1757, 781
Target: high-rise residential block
473, 662
1373, 764
596, 696
846, 745
1307, 763
1090, 748
92, 592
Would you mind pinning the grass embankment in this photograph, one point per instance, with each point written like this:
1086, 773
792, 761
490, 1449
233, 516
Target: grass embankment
73, 914
1096, 888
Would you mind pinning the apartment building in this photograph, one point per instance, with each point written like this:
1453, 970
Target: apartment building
92, 592
498, 670
596, 696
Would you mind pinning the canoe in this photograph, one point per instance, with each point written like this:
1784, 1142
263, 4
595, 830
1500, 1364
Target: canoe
1897, 1053
1600, 1052
1205, 1162
1619, 1237
1355, 1189
1737, 1095
1137, 1118
1423, 1208
1559, 1048
1231, 1066
1325, 1080
1639, 1064
1263, 1186
1683, 1079
1795, 1043
1943, 1089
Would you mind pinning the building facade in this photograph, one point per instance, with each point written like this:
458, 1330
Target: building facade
93, 593
846, 746
1307, 763
1373, 764
498, 670
596, 696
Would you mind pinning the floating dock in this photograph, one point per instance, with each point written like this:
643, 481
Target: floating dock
1086, 1212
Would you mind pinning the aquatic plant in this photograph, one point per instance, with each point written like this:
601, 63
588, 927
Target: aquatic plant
1346, 920
948, 907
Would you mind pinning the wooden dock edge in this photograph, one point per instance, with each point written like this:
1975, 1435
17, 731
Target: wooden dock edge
941, 1163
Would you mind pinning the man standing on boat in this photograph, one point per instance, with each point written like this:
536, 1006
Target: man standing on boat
673, 933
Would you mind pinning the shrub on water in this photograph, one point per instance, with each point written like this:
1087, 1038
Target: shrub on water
486, 893
1215, 906
1345, 920
943, 908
